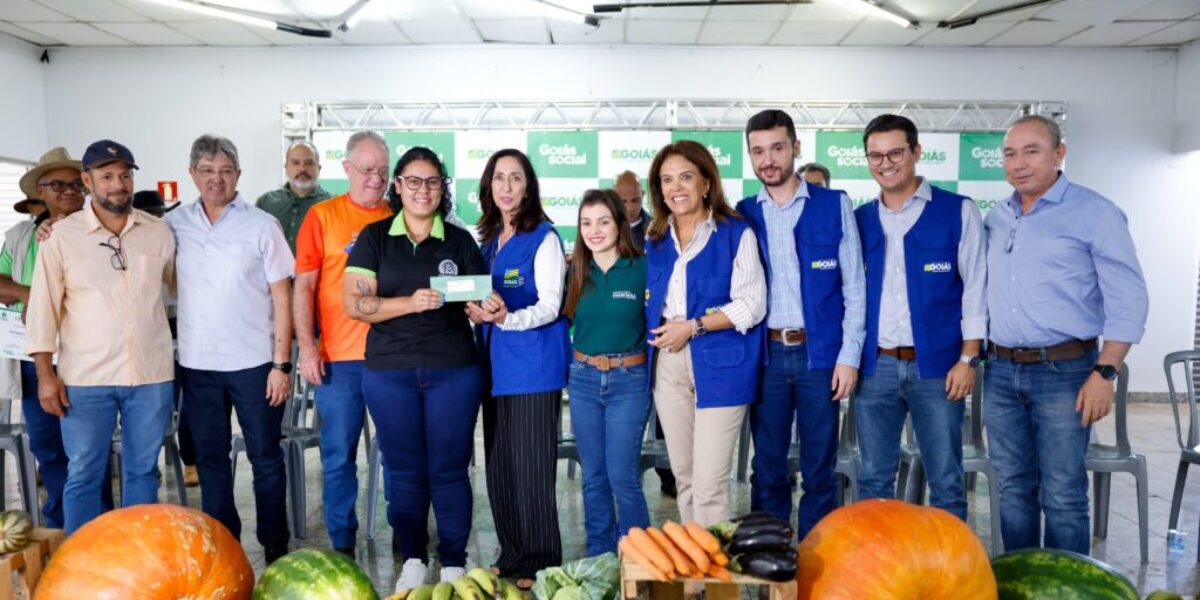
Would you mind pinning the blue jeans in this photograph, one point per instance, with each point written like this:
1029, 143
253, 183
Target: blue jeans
793, 393
426, 424
210, 398
1039, 451
880, 408
45, 442
87, 432
609, 410
340, 402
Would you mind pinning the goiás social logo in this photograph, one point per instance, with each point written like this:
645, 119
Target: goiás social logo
943, 266
825, 264
562, 154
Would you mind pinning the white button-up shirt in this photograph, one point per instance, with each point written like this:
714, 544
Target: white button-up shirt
224, 273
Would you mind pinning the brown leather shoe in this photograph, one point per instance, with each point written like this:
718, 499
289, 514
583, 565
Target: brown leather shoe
190, 477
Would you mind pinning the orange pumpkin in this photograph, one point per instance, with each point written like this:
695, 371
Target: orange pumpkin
890, 550
148, 552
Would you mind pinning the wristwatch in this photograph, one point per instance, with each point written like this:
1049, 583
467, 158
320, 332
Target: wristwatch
700, 328
972, 361
1108, 372
286, 367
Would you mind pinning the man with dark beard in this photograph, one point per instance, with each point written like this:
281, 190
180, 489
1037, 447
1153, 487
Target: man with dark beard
96, 301
291, 201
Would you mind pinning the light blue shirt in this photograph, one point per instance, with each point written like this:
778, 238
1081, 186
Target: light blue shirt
785, 309
223, 275
895, 320
1065, 270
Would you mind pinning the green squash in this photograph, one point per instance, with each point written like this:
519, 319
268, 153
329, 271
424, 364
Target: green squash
15, 529
1047, 574
312, 574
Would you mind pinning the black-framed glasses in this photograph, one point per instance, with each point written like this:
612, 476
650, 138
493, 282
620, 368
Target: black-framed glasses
893, 156
413, 182
62, 186
118, 258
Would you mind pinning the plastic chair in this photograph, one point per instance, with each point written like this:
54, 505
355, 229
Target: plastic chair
910, 480
1104, 460
567, 449
654, 451
849, 460
295, 440
976, 459
173, 458
1189, 444
14, 441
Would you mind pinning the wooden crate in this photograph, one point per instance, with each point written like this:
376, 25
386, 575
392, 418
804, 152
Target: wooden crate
27, 564
714, 589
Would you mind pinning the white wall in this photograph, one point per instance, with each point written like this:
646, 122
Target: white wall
22, 103
1187, 100
1120, 125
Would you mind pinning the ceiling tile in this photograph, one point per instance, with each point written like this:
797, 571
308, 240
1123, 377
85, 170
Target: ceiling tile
490, 9
160, 12
284, 38
1177, 34
737, 33
222, 33
1091, 12
76, 34
661, 32
874, 32
440, 31
148, 34
1165, 10
373, 33
749, 13
812, 33
274, 8
610, 31
975, 7
413, 9
927, 10
95, 10
972, 35
28, 10
824, 11
518, 31
32, 37
332, 9
683, 13
1113, 34
1035, 33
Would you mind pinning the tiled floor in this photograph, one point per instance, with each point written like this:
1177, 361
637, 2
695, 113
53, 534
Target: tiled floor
1152, 433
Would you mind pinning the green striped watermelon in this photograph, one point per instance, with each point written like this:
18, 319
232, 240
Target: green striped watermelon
313, 574
1047, 574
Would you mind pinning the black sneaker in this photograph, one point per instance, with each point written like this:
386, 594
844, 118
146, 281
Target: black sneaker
274, 552
668, 489
348, 551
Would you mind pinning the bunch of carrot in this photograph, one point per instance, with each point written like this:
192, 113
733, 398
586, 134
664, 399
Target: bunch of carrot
684, 551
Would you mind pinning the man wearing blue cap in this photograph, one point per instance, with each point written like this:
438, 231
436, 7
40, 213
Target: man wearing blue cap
96, 301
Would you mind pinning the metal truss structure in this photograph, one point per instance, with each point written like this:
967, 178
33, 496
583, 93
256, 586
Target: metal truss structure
302, 119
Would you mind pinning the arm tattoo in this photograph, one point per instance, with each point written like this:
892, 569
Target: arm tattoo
368, 302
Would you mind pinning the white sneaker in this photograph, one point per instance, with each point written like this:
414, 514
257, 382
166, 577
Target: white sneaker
452, 574
411, 575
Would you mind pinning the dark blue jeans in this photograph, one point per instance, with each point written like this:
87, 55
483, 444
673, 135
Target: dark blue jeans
340, 402
425, 420
793, 393
45, 442
1039, 450
210, 397
881, 406
609, 410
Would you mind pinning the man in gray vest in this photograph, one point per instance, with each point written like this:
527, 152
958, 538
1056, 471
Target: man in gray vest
56, 182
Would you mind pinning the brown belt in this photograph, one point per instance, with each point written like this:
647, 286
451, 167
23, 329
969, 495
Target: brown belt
789, 337
905, 353
1064, 351
606, 362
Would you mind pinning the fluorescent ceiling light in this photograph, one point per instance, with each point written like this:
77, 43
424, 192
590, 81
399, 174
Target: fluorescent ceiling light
355, 14
875, 10
210, 10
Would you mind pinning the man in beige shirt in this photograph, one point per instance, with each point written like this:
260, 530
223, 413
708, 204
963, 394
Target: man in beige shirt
96, 300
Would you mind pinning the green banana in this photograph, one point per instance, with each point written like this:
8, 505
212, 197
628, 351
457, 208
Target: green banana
466, 589
421, 592
443, 591
485, 579
510, 591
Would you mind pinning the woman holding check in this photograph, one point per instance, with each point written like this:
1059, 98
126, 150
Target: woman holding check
422, 380
610, 399
705, 296
525, 337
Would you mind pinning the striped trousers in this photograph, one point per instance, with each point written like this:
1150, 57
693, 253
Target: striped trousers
520, 437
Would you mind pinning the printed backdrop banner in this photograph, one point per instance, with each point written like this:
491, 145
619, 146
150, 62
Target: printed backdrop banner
570, 162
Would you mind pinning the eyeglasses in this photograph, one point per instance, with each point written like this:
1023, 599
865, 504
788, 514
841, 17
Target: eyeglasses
381, 172
62, 186
893, 156
414, 183
118, 258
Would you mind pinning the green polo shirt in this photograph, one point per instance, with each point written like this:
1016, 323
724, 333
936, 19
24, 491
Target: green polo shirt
26, 275
609, 318
290, 208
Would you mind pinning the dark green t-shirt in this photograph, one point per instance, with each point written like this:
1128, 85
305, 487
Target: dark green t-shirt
610, 316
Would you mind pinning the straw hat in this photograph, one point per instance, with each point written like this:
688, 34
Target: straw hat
56, 158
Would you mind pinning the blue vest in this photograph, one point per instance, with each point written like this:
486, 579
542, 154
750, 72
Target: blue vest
534, 360
817, 235
725, 363
935, 286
